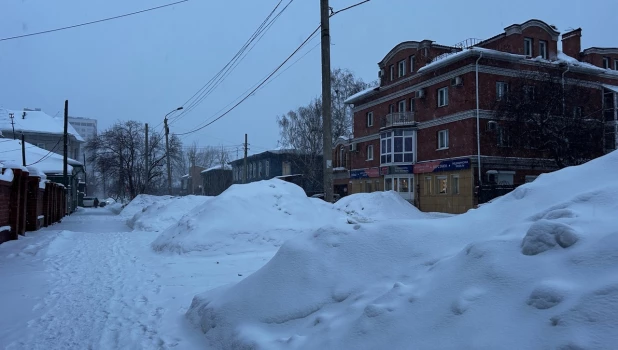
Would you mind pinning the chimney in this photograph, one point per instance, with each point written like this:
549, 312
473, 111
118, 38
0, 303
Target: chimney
571, 43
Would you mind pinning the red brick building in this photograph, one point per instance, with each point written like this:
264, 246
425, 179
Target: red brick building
428, 131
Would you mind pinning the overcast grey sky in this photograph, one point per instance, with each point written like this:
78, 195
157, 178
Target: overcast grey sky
143, 66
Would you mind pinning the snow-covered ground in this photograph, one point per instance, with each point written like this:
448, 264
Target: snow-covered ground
264, 267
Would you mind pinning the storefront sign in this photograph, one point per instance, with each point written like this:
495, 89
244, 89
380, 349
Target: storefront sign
442, 165
396, 169
364, 173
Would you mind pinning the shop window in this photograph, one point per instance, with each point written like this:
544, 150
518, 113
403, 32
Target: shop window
367, 186
455, 184
404, 185
441, 185
388, 184
530, 178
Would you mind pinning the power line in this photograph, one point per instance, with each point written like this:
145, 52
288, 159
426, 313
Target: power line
273, 72
49, 154
92, 22
216, 81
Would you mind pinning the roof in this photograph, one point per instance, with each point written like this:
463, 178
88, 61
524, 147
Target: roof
362, 94
46, 161
611, 87
35, 121
218, 167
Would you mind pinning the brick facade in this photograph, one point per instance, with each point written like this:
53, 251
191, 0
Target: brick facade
437, 95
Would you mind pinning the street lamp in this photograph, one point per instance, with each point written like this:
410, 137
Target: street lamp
167, 151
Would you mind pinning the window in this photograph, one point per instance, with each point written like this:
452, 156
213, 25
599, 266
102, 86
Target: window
286, 168
391, 108
412, 105
397, 146
443, 139
260, 173
441, 185
392, 72
404, 184
401, 68
529, 93
443, 97
412, 64
606, 62
454, 184
40, 145
530, 178
543, 48
501, 89
504, 139
401, 106
369, 152
267, 168
388, 184
528, 46
369, 119
615, 64
427, 186
577, 111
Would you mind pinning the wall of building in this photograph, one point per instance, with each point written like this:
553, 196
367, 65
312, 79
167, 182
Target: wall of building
430, 200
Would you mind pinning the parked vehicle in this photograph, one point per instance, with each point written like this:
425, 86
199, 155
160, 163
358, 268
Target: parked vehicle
89, 202
336, 196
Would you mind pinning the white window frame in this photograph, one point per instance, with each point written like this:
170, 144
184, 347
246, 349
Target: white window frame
388, 140
369, 152
401, 68
428, 186
392, 72
401, 106
606, 62
439, 179
616, 64
443, 140
455, 189
443, 97
528, 46
543, 49
502, 88
504, 139
369, 119
412, 63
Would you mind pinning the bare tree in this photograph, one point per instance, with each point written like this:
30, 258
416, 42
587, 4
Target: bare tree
542, 115
119, 155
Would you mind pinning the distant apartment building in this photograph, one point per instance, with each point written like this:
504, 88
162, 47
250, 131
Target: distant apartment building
87, 129
429, 130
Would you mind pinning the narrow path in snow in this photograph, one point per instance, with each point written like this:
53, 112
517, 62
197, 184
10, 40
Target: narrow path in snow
106, 288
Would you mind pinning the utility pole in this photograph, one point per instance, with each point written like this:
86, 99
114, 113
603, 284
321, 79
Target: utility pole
65, 161
244, 170
12, 116
146, 160
23, 150
167, 152
85, 175
326, 102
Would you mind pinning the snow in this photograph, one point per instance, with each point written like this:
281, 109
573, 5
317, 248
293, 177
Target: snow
7, 175
378, 206
535, 269
35, 121
246, 218
161, 214
217, 167
5, 228
45, 161
362, 93
139, 204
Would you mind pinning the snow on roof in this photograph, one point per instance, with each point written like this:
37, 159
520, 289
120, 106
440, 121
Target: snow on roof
217, 167
35, 121
45, 161
364, 93
611, 87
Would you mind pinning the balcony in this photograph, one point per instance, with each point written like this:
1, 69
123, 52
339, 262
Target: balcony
398, 119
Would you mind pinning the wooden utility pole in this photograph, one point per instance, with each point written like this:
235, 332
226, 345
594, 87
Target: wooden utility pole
23, 150
326, 102
65, 162
146, 160
244, 169
85, 176
12, 116
167, 153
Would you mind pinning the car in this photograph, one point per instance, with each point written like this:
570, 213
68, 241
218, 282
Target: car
336, 196
89, 202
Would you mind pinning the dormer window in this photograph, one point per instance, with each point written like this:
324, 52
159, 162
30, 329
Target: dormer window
543, 49
392, 72
401, 68
606, 62
412, 64
528, 46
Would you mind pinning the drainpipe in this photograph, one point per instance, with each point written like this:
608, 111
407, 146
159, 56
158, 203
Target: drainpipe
478, 122
563, 85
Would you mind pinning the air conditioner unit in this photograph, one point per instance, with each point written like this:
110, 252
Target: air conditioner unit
492, 126
457, 81
353, 147
419, 93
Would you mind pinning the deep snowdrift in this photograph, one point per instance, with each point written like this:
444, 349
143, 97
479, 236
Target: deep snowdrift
536, 269
246, 217
140, 203
162, 214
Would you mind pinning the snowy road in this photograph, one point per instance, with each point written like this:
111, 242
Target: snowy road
89, 283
